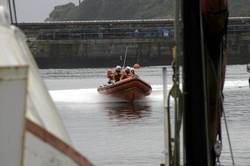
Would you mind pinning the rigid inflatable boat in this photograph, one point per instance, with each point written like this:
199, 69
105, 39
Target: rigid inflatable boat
129, 89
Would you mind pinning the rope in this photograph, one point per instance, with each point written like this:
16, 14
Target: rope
219, 94
169, 133
228, 137
219, 102
205, 90
175, 92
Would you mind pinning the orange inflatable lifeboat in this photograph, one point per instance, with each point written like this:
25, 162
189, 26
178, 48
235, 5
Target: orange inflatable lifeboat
129, 89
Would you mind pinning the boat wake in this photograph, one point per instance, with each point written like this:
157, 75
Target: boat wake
235, 84
91, 96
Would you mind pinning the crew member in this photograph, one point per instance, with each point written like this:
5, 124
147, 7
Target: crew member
118, 74
128, 72
123, 75
110, 76
132, 71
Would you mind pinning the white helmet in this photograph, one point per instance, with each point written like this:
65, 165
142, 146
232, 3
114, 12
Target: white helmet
118, 68
127, 68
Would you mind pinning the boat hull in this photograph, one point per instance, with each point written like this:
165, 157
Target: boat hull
129, 89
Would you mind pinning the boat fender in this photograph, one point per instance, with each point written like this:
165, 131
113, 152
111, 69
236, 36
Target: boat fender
218, 148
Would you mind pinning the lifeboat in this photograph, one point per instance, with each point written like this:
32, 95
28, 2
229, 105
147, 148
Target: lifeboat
129, 89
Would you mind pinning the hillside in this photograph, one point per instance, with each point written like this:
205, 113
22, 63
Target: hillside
130, 9
239, 8
113, 9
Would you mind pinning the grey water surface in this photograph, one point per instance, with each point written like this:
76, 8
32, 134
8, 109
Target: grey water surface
110, 132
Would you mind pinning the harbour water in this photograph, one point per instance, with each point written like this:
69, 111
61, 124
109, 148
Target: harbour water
110, 132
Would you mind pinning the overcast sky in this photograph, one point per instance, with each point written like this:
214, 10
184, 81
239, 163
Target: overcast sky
37, 10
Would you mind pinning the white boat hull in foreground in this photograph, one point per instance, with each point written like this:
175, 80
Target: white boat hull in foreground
32, 132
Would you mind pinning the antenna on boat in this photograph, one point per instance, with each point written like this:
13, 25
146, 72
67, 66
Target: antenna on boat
125, 57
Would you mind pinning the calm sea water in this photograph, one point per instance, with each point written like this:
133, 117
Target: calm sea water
110, 132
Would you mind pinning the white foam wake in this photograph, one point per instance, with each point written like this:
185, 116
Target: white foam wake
92, 96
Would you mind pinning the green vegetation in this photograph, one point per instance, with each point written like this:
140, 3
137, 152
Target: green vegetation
113, 9
129, 9
239, 8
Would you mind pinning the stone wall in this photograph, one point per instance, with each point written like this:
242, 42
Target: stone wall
101, 53
104, 43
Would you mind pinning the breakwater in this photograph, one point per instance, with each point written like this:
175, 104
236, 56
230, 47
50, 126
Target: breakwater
105, 43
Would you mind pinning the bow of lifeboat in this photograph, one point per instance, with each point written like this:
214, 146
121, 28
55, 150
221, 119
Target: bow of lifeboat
129, 89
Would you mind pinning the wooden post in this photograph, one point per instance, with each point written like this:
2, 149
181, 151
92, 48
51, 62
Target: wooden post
166, 117
194, 89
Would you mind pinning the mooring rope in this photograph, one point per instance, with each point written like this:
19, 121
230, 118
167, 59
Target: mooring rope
228, 137
175, 92
204, 82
